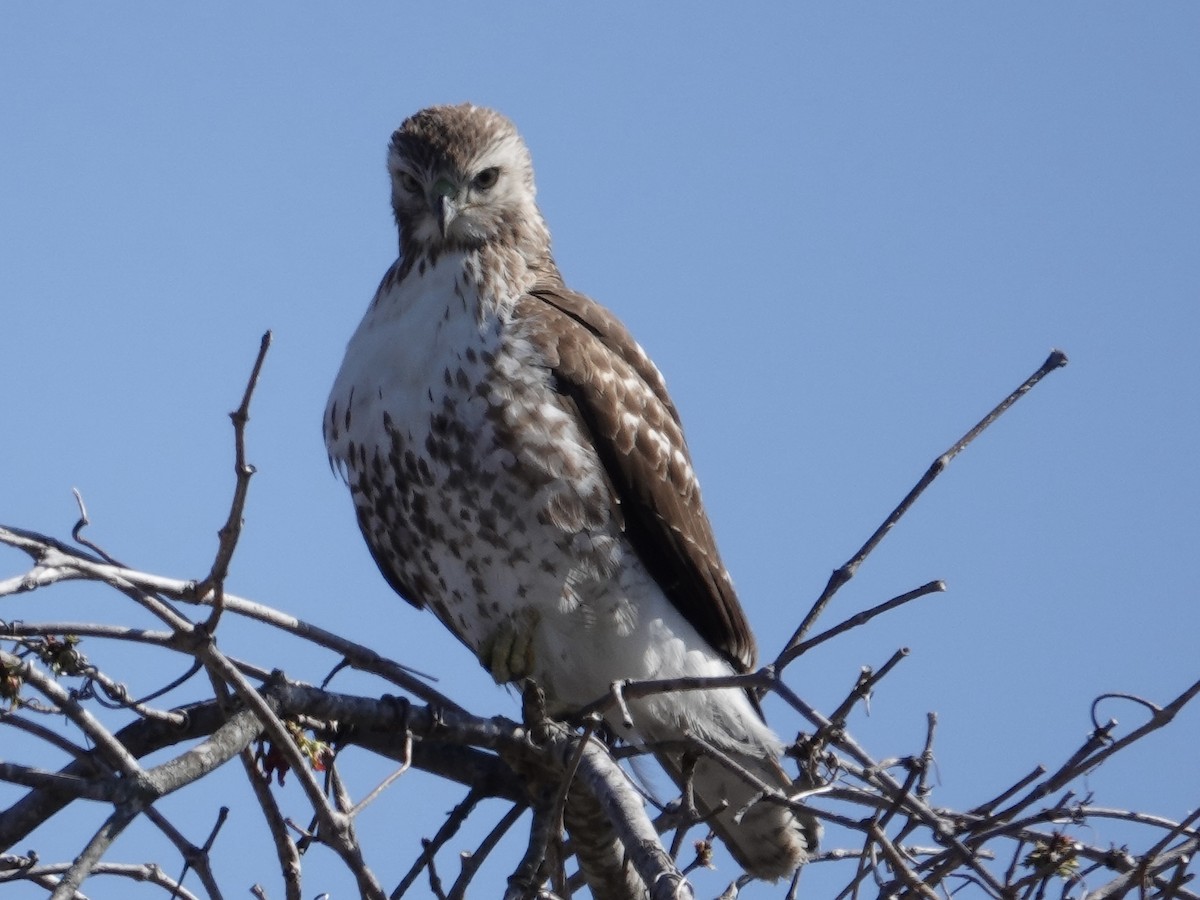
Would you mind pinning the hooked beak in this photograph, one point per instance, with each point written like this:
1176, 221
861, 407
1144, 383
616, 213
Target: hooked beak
443, 203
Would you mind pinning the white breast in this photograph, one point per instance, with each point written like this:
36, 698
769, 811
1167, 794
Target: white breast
398, 361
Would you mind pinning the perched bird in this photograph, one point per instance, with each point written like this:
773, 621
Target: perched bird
518, 468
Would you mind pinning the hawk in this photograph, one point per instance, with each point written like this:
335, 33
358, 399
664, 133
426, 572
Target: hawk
518, 468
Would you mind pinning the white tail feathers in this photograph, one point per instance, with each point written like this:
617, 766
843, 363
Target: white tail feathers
770, 840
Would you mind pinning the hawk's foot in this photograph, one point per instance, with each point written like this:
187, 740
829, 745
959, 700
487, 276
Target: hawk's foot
508, 652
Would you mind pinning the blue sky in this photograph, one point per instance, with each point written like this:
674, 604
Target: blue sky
842, 230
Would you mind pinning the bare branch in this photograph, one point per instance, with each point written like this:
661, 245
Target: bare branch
13, 869
879, 808
84, 521
194, 858
472, 861
58, 562
232, 529
449, 828
1099, 747
610, 786
95, 849
285, 848
863, 685
96, 732
933, 587
847, 570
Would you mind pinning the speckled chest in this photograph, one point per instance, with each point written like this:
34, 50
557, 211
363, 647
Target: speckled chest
460, 456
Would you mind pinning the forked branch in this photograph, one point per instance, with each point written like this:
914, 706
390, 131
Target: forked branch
793, 648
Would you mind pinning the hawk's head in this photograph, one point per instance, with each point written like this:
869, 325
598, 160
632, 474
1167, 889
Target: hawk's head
462, 177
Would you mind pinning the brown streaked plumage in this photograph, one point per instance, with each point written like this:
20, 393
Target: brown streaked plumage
518, 467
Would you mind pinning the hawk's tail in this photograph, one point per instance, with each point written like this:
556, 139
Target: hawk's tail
768, 839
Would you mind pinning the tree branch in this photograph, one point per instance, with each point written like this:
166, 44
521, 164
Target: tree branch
847, 570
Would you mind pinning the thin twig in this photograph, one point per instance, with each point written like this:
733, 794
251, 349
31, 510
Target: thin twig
95, 850
1099, 747
985, 809
932, 587
232, 529
560, 799
471, 862
46, 875
387, 782
863, 686
1151, 858
194, 857
429, 849
523, 883
927, 759
840, 576
82, 523
113, 750
900, 865
620, 692
59, 562
336, 828
285, 848
688, 813
877, 777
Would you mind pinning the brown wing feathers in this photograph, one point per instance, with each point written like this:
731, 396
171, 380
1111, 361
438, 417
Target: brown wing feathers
659, 499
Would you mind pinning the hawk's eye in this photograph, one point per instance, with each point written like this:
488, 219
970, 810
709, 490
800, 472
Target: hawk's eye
486, 179
409, 183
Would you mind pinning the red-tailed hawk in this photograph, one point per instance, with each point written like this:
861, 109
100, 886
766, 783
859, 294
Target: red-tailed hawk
518, 468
